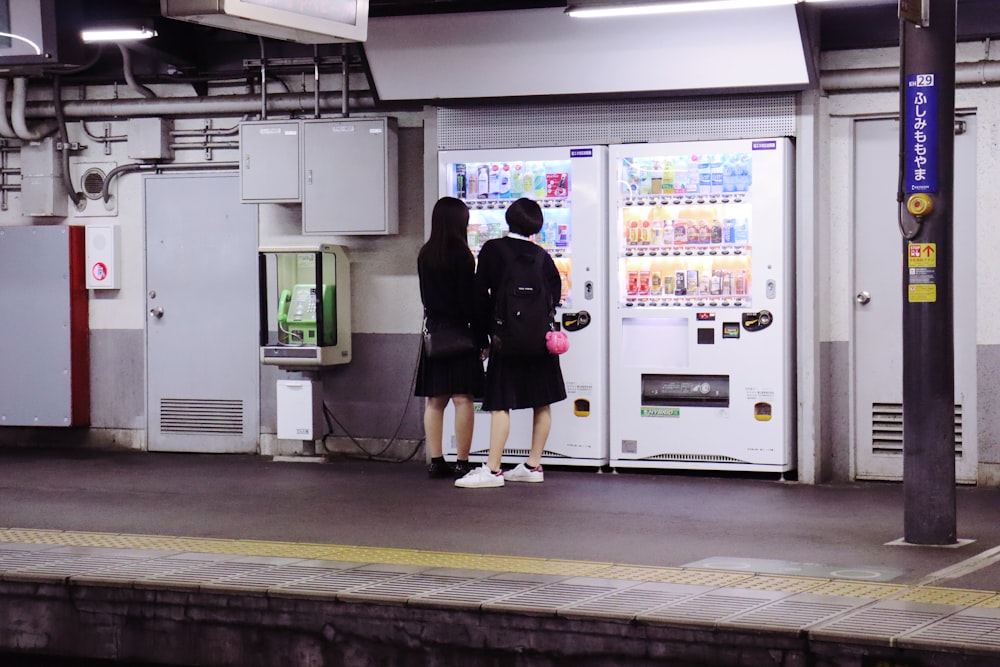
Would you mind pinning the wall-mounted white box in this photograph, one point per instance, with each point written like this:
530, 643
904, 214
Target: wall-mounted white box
300, 410
103, 256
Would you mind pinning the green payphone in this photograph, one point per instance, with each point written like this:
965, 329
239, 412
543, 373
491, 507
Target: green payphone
305, 306
297, 315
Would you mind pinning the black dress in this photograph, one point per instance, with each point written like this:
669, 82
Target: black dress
515, 382
447, 295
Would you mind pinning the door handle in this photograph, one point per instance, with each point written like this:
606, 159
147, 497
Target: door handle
863, 297
156, 312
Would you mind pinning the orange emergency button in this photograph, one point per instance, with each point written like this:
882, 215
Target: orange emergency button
919, 204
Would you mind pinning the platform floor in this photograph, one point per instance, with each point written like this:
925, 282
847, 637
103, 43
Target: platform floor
599, 538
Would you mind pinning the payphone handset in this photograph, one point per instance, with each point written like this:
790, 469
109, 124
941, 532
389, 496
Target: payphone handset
297, 316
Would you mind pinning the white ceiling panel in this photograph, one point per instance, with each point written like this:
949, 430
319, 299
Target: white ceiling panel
538, 52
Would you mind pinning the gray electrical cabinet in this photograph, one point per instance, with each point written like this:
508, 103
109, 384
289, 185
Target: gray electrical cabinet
351, 175
270, 158
45, 343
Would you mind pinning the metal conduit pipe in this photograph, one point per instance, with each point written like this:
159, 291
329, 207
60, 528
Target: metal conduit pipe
887, 78
17, 112
217, 105
6, 131
130, 77
143, 166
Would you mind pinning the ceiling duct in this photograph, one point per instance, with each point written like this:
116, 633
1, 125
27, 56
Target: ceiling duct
303, 22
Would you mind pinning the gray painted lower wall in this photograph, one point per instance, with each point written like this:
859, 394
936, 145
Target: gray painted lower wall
835, 423
988, 388
374, 412
371, 399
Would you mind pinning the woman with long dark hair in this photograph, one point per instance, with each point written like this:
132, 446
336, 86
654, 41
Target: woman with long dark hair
446, 269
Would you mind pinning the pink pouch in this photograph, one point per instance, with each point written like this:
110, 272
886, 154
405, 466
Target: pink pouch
556, 342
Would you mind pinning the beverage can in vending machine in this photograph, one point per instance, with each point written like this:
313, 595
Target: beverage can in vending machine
644, 283
740, 283
680, 232
692, 281
716, 231
460, 187
562, 236
646, 232
656, 229
633, 232
715, 287
704, 232
655, 283
680, 284
632, 288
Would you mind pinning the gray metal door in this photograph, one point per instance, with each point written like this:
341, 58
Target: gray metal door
878, 327
202, 340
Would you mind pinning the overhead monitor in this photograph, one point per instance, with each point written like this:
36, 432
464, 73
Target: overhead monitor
304, 21
30, 34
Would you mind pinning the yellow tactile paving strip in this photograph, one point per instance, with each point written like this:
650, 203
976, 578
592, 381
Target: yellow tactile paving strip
512, 564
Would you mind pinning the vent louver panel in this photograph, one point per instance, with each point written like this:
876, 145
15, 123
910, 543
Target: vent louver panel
887, 429
628, 121
186, 415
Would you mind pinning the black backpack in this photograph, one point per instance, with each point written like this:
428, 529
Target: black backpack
523, 313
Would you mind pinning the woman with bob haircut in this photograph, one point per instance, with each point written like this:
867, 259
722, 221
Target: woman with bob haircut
515, 382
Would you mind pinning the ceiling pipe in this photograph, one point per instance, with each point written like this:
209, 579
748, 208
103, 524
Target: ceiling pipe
17, 112
980, 73
173, 107
6, 131
130, 76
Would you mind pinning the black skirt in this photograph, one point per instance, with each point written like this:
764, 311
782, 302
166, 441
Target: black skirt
513, 383
449, 377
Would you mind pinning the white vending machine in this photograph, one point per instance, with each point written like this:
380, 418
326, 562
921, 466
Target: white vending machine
701, 340
570, 184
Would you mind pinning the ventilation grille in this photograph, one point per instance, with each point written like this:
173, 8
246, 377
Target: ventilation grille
182, 415
520, 452
92, 183
887, 429
628, 121
697, 458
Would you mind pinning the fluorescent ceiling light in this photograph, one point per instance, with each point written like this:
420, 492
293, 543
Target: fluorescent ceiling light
116, 34
592, 11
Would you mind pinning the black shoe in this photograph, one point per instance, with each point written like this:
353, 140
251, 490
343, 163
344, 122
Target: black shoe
440, 470
461, 469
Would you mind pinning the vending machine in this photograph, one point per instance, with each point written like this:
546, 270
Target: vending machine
701, 332
570, 184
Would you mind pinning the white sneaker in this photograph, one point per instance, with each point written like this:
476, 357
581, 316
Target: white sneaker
480, 478
522, 473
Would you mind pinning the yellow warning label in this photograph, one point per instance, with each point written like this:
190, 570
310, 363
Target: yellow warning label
922, 293
922, 255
